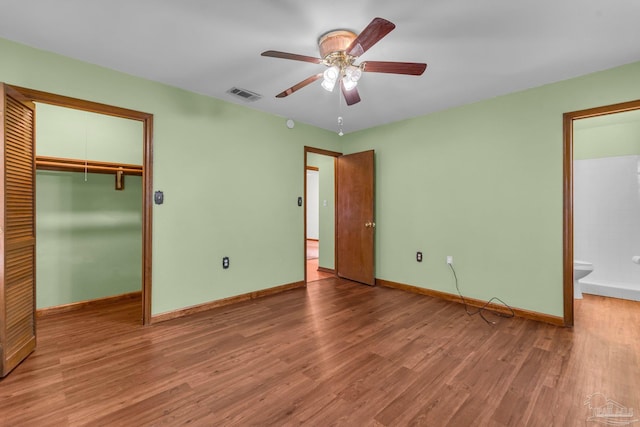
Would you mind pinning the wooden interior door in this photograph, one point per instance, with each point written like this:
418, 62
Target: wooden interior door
17, 229
355, 224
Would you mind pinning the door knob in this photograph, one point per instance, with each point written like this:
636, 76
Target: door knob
370, 224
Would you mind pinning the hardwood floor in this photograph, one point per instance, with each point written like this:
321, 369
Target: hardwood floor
338, 354
313, 273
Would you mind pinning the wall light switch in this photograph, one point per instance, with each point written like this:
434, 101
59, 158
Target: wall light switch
225, 262
419, 256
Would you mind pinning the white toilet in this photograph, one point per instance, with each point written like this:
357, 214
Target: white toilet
580, 270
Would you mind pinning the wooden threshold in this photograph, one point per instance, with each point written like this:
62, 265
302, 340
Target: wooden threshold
74, 306
525, 314
225, 301
327, 270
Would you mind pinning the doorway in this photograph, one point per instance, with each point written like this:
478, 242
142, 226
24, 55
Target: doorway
147, 162
569, 252
353, 235
320, 210
88, 223
18, 287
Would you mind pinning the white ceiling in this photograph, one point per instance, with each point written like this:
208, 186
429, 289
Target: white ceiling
474, 49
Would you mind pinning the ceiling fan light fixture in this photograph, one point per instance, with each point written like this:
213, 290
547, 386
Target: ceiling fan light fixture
330, 75
351, 76
348, 83
353, 73
328, 85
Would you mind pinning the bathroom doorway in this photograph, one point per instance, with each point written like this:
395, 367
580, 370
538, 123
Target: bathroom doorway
601, 194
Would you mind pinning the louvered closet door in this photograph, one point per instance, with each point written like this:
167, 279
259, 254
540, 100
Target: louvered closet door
17, 233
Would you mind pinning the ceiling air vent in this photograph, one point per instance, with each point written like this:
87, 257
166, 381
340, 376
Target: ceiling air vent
245, 95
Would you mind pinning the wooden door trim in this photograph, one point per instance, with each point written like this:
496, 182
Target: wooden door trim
81, 104
335, 155
147, 174
319, 151
567, 186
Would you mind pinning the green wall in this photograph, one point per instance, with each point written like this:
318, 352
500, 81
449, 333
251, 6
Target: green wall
76, 134
607, 136
325, 164
88, 237
483, 183
207, 153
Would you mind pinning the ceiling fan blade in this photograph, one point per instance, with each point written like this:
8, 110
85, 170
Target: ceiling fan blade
295, 57
376, 30
351, 96
410, 68
299, 86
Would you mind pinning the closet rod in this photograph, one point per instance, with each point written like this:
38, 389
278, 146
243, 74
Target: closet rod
75, 165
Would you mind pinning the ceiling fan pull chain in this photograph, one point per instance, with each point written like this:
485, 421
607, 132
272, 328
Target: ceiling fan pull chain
340, 119
86, 157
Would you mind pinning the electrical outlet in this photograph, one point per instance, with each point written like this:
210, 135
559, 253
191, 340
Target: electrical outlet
225, 262
419, 256
449, 259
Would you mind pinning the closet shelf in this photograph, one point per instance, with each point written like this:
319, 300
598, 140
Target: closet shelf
91, 166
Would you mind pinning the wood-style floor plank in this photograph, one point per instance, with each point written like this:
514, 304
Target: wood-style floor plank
335, 353
313, 274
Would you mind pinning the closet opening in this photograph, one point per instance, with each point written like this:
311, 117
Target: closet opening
93, 203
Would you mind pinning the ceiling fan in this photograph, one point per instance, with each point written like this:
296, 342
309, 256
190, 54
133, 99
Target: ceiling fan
339, 50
